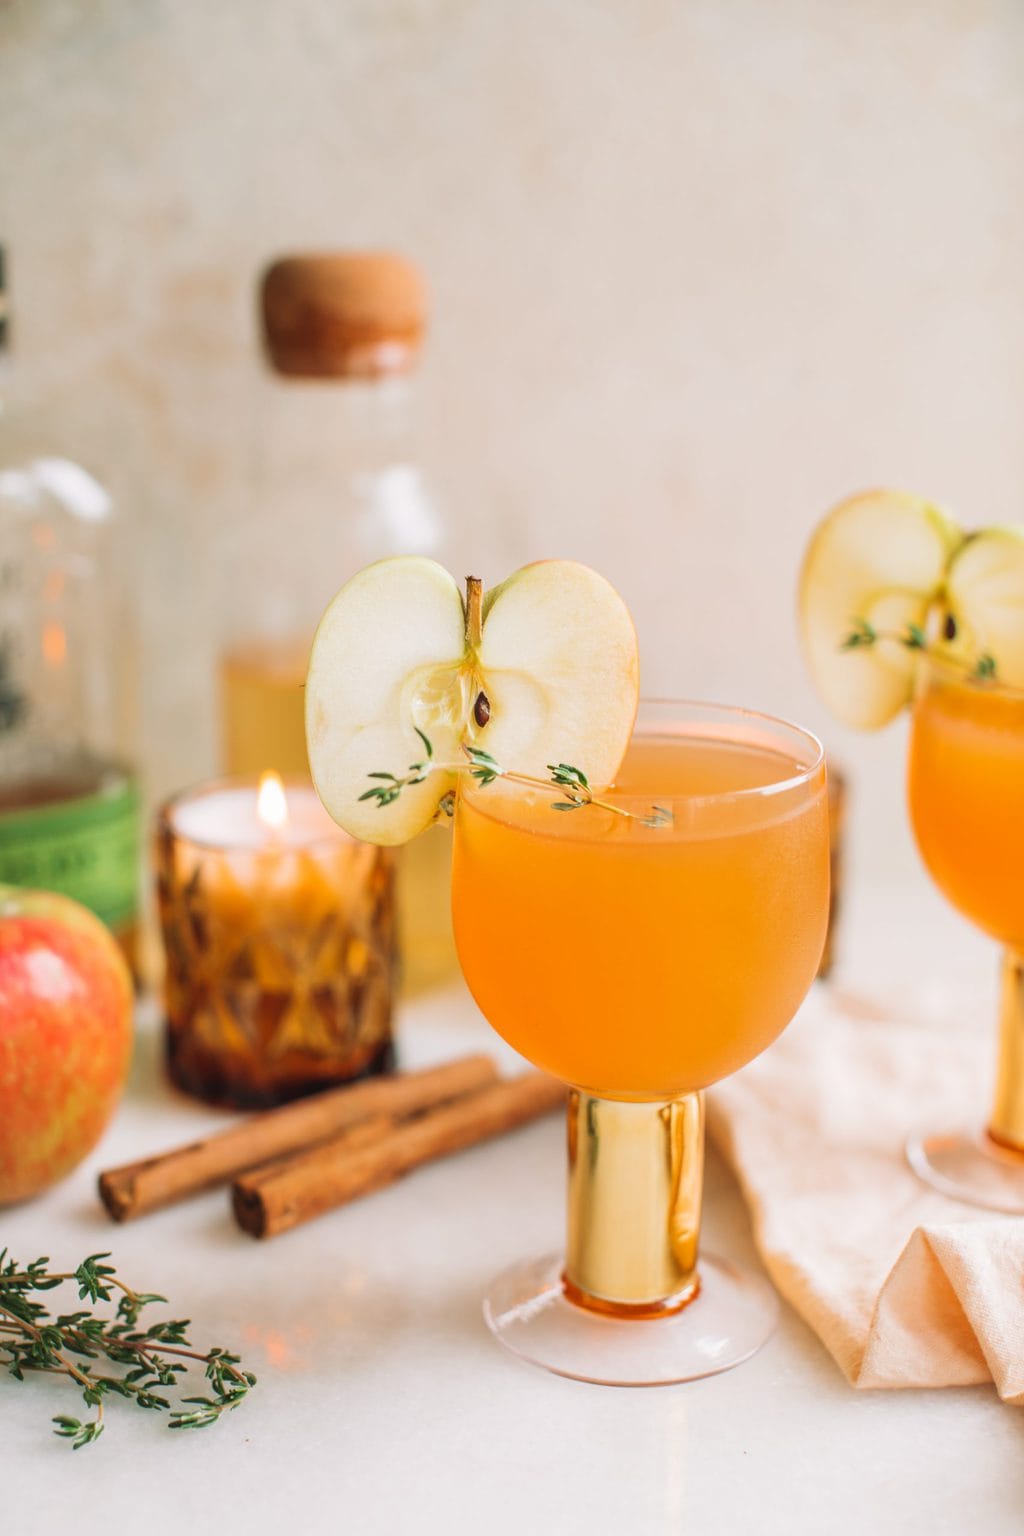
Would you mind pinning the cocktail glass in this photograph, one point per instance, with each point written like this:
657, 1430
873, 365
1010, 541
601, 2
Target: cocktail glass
965, 786
639, 964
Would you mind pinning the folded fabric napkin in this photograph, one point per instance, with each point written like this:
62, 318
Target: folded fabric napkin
905, 1287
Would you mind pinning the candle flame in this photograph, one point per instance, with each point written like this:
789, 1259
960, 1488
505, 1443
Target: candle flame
271, 805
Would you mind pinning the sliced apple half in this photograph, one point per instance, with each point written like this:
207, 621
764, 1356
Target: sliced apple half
878, 559
559, 667
542, 669
985, 598
387, 659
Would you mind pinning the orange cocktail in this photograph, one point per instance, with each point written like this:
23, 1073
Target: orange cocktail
640, 963
965, 785
966, 791
647, 962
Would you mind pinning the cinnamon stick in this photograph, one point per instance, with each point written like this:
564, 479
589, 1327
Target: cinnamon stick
267, 1201
136, 1188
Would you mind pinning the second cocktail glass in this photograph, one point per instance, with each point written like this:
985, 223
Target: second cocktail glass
966, 792
640, 964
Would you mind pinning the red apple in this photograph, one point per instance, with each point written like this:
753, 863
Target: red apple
65, 1037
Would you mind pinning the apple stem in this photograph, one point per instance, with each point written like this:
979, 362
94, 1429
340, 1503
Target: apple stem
474, 616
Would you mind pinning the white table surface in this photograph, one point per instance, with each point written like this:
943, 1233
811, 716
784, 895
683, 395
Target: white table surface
385, 1407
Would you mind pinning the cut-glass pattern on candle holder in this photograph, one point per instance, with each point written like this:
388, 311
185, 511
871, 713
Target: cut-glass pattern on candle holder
280, 964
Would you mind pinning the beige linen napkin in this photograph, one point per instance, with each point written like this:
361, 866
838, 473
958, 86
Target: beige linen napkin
905, 1287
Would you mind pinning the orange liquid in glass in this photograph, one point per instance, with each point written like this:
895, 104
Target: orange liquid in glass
637, 962
966, 792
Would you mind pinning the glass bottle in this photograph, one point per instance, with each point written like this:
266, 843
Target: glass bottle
69, 802
339, 483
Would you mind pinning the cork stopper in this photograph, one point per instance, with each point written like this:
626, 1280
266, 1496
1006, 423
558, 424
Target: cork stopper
342, 315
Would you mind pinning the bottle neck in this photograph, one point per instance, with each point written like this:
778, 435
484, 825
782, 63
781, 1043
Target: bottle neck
336, 483
391, 508
378, 422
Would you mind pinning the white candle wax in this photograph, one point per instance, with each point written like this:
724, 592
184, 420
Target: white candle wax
226, 817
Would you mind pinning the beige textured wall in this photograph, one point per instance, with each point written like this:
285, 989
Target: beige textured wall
698, 269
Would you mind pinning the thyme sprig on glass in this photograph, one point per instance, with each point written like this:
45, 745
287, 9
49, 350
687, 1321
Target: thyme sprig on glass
863, 636
482, 767
31, 1339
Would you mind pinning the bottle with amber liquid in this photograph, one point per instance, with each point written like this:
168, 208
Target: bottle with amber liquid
69, 803
338, 483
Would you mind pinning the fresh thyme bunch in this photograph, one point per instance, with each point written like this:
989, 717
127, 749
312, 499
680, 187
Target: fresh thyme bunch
31, 1339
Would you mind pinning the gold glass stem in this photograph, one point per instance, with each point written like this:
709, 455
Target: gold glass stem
636, 1175
1007, 1123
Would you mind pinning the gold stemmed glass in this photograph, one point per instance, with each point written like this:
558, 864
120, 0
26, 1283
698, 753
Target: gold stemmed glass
640, 963
965, 786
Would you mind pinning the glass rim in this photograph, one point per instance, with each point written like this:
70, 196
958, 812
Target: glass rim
677, 708
949, 670
739, 713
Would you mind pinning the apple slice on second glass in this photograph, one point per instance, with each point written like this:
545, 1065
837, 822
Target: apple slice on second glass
875, 567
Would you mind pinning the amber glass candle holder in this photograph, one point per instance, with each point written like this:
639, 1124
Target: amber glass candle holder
279, 932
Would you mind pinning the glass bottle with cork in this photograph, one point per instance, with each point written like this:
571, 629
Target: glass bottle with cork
338, 483
69, 802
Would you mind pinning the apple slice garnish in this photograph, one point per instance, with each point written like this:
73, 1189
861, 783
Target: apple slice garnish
541, 670
878, 561
985, 600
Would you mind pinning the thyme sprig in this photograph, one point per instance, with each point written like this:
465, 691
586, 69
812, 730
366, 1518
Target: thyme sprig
484, 768
388, 791
862, 636
31, 1339
573, 781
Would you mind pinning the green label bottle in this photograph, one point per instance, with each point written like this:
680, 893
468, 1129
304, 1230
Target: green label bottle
69, 805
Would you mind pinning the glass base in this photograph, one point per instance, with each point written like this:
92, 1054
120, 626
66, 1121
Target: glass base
970, 1166
732, 1315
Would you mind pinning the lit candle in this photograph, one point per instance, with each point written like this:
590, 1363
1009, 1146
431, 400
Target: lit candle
279, 933
239, 815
